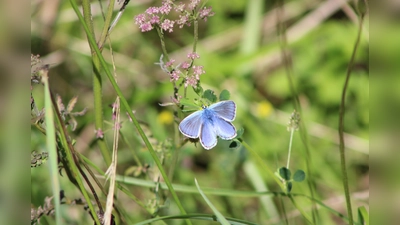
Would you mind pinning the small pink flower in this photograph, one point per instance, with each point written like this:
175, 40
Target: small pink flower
193, 3
152, 10
192, 81
170, 63
198, 70
185, 65
167, 25
177, 99
140, 19
155, 19
180, 7
146, 27
117, 126
99, 134
183, 20
206, 12
175, 75
165, 8
193, 55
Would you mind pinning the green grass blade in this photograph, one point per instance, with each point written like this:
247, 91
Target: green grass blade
196, 216
51, 146
253, 22
220, 217
363, 215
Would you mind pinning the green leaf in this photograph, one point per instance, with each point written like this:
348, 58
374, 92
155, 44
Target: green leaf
285, 173
299, 176
51, 145
198, 89
234, 144
289, 186
189, 104
363, 215
225, 95
239, 132
220, 217
209, 94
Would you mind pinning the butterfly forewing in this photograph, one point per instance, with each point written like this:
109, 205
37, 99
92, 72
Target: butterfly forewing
224, 129
225, 110
208, 138
191, 125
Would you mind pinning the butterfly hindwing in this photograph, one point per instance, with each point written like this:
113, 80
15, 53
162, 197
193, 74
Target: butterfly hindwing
224, 129
191, 125
208, 137
224, 109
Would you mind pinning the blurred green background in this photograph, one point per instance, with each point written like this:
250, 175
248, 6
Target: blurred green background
240, 50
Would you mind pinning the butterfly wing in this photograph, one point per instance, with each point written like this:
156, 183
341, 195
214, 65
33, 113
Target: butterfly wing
224, 129
191, 125
224, 109
208, 138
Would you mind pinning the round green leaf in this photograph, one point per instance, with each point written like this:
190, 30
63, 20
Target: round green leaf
209, 94
225, 95
198, 89
299, 176
239, 132
234, 144
285, 173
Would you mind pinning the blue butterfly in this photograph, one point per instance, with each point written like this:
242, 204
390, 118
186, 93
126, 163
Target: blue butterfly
210, 122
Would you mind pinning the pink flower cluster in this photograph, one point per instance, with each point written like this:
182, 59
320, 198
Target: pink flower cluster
206, 12
151, 17
193, 75
193, 55
194, 78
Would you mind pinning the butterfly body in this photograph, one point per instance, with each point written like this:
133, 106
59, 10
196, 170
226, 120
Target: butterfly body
211, 122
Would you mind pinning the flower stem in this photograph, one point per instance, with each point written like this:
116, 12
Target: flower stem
290, 147
341, 126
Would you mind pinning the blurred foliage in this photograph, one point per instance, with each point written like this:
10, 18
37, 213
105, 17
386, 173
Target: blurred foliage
256, 81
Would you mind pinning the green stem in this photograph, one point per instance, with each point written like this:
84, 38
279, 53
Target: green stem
301, 210
290, 147
195, 34
164, 49
107, 22
341, 126
97, 84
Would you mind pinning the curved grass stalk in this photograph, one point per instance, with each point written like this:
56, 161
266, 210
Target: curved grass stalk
341, 125
206, 217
